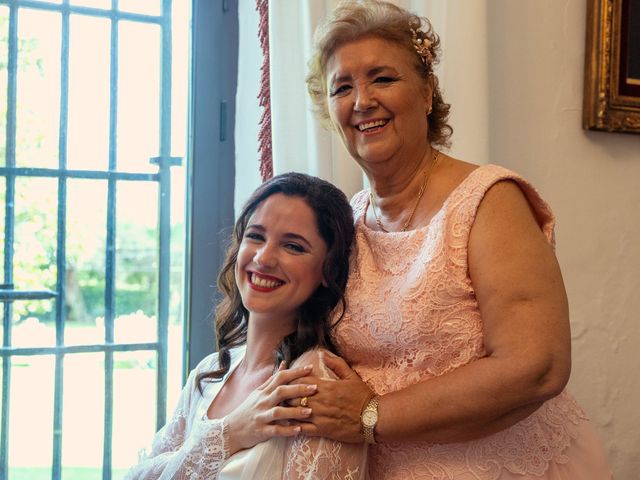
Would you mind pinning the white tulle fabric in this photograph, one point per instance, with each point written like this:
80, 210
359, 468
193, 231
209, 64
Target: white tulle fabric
193, 447
412, 315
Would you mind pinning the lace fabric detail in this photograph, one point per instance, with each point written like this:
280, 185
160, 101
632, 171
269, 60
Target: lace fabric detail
193, 447
190, 446
170, 438
412, 315
527, 448
176, 454
313, 458
307, 461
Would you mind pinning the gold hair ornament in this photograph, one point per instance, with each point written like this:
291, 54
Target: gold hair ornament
422, 45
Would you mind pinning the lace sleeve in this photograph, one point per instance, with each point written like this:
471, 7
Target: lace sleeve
181, 450
315, 458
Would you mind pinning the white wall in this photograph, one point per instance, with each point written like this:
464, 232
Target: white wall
591, 179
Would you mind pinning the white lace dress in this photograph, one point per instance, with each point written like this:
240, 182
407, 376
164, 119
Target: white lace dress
412, 315
192, 447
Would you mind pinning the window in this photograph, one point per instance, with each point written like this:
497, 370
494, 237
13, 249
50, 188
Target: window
93, 106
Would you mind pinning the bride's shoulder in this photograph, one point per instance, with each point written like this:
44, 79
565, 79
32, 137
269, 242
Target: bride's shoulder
315, 358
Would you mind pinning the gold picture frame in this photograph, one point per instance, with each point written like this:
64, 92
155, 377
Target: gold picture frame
612, 66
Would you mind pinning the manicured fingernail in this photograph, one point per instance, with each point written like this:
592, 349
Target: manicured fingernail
306, 411
312, 388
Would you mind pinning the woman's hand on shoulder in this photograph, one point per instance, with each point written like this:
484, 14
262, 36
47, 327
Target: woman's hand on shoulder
520, 293
338, 402
264, 414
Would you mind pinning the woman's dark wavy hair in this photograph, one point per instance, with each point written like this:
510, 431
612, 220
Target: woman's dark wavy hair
334, 220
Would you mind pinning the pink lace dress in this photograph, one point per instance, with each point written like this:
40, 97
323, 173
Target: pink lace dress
412, 315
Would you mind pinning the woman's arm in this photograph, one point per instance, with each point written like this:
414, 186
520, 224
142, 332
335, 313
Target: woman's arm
180, 450
523, 304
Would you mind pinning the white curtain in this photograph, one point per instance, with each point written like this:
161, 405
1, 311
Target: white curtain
299, 142
247, 108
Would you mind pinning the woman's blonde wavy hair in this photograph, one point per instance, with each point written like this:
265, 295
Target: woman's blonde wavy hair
356, 19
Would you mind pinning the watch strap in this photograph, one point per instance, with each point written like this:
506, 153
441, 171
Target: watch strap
368, 430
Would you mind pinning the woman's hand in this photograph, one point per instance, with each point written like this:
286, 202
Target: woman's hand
264, 413
337, 404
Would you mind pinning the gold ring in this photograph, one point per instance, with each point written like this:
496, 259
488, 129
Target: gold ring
304, 401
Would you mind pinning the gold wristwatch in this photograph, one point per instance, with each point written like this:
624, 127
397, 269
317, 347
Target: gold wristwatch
369, 419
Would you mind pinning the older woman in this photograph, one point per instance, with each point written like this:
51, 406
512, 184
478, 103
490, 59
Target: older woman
457, 319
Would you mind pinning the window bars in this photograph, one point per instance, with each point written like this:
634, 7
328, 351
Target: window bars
112, 176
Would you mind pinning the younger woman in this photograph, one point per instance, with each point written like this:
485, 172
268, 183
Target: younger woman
284, 274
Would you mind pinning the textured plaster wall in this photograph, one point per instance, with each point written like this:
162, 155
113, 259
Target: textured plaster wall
592, 181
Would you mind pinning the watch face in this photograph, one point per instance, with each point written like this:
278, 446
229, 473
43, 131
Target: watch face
369, 418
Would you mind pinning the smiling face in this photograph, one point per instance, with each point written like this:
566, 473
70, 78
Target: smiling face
377, 102
280, 259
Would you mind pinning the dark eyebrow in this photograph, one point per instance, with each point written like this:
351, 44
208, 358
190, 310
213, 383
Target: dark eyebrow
377, 70
370, 73
288, 236
340, 79
300, 238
